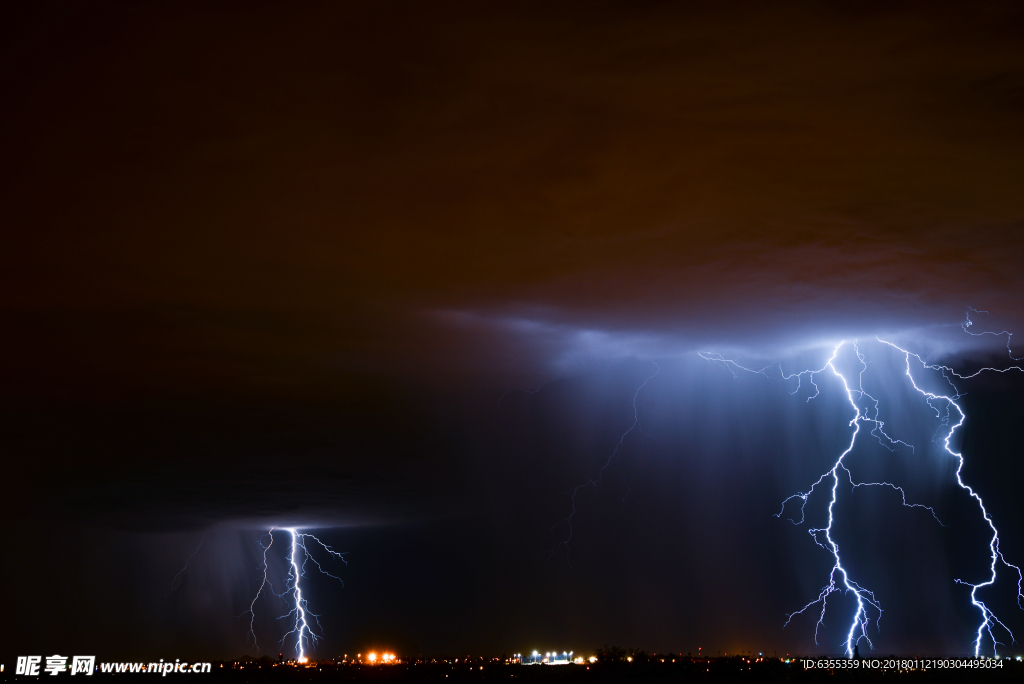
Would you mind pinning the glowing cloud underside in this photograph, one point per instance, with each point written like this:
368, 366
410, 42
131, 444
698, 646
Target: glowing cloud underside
865, 409
299, 615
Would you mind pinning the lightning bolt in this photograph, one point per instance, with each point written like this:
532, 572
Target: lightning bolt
510, 391
299, 615
866, 411
176, 582
989, 621
1009, 335
264, 583
596, 480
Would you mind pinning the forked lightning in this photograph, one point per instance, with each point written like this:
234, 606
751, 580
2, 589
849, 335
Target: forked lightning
866, 412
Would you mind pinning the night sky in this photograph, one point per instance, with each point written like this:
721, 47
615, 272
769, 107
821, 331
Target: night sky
394, 272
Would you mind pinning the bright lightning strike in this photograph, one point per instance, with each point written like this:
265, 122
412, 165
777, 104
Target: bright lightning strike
866, 411
299, 615
989, 620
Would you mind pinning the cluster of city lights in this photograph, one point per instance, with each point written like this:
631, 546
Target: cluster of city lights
383, 658
550, 658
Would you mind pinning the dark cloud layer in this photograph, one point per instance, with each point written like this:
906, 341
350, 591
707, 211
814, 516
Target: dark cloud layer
267, 195
272, 264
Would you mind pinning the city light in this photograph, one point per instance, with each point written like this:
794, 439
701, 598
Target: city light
552, 658
382, 658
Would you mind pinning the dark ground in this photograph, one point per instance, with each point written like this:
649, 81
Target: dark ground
717, 670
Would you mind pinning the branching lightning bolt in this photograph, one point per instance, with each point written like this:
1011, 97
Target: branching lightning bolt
596, 480
1009, 335
265, 582
176, 582
300, 614
989, 621
867, 412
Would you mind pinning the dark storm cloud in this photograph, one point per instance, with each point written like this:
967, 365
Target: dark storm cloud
329, 174
175, 465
